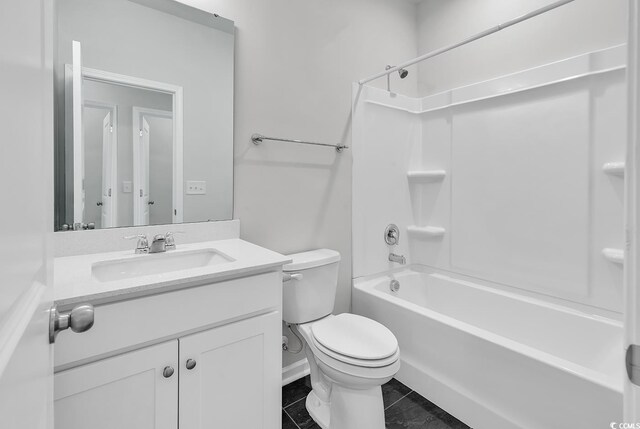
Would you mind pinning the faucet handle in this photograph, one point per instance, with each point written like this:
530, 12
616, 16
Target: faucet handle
139, 236
392, 235
143, 243
169, 239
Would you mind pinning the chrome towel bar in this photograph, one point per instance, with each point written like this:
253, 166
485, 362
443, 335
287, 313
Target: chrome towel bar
259, 138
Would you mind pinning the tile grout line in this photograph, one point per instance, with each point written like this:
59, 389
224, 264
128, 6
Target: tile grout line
295, 423
391, 405
294, 402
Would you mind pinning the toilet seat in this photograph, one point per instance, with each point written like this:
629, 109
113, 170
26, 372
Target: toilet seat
355, 336
365, 363
366, 368
355, 340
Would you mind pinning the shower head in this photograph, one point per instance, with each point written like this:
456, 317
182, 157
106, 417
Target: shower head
402, 72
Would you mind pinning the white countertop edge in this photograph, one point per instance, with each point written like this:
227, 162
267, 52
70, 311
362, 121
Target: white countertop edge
124, 294
74, 283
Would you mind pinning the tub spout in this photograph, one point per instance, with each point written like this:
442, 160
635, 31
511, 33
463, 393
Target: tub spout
400, 259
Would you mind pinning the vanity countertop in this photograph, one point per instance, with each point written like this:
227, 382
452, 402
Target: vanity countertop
74, 282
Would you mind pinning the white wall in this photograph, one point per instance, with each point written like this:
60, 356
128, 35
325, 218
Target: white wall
576, 28
295, 62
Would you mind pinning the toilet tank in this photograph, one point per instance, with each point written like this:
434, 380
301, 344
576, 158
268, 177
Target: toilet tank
309, 287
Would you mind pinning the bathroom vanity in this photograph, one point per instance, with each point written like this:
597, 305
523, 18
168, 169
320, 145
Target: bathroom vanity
193, 348
185, 336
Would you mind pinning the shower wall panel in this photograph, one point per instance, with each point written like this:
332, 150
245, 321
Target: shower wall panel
502, 181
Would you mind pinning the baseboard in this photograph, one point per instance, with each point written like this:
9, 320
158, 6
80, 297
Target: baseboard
295, 371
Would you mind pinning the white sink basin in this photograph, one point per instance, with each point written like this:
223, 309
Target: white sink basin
156, 263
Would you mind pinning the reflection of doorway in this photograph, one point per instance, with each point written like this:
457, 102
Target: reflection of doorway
75, 77
154, 180
100, 154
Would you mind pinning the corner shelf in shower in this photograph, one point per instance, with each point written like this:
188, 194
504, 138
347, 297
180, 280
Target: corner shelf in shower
426, 231
613, 255
614, 168
419, 176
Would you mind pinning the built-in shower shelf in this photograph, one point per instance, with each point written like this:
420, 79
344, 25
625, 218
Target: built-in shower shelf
614, 168
426, 175
426, 231
613, 255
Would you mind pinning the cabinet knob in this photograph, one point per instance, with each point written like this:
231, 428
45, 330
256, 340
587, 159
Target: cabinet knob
190, 364
167, 372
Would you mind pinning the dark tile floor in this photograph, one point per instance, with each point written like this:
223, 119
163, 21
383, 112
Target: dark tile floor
404, 408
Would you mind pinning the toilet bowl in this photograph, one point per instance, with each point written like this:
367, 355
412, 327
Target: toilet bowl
349, 356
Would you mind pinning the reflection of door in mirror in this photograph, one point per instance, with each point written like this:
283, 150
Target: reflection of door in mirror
154, 177
100, 154
106, 218
132, 178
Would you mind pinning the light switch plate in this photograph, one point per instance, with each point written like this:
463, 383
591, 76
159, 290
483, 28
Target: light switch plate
127, 187
196, 187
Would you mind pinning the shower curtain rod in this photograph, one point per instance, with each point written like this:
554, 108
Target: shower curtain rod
468, 40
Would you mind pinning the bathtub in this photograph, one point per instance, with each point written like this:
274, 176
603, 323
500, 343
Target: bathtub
496, 359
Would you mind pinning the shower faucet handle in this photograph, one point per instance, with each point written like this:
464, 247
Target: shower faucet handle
392, 235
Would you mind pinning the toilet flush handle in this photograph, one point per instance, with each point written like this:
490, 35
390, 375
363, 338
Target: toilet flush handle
291, 276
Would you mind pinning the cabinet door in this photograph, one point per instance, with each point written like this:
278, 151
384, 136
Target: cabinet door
125, 391
236, 381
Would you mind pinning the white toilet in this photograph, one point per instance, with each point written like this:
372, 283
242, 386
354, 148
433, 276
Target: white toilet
350, 356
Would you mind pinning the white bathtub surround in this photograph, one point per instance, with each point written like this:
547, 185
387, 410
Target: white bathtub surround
524, 202
495, 359
70, 243
423, 176
613, 255
426, 231
515, 285
614, 168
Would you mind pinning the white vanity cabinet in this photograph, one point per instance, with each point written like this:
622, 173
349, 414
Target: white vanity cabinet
201, 357
231, 384
124, 391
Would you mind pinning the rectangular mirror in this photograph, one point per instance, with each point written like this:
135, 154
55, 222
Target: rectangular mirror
144, 114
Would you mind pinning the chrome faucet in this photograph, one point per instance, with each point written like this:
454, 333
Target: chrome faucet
164, 243
159, 244
400, 259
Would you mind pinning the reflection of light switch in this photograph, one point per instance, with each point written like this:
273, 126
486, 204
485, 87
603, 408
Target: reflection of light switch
126, 186
196, 187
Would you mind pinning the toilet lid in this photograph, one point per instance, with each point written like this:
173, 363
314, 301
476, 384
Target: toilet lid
355, 336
